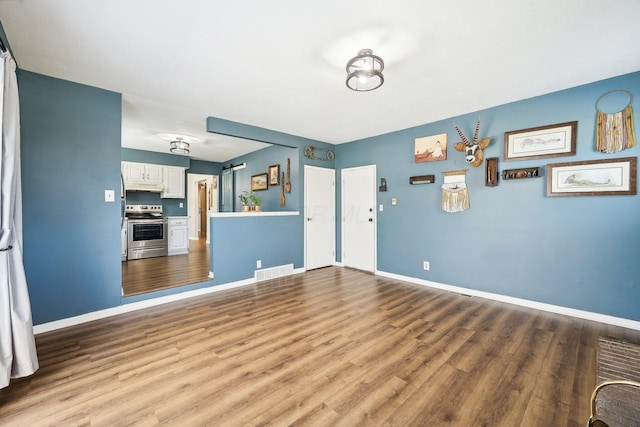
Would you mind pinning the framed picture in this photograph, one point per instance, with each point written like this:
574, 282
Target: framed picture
543, 141
606, 177
259, 182
431, 148
274, 173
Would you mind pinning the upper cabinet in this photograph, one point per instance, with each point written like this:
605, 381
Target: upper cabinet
142, 173
169, 181
173, 183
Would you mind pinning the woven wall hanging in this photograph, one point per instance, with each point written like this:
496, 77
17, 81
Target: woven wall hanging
614, 131
455, 196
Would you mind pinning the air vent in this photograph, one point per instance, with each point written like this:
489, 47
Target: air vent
273, 272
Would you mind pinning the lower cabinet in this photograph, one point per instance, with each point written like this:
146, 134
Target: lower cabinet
178, 235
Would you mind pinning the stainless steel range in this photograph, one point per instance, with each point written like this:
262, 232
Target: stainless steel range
147, 232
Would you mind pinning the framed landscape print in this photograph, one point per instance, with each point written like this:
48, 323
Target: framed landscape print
593, 178
259, 182
543, 141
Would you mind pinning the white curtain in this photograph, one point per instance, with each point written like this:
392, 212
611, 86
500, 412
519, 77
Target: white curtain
18, 356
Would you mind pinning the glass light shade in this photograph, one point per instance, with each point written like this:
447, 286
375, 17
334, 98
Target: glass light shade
179, 147
364, 71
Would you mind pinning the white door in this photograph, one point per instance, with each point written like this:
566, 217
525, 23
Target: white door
359, 217
320, 220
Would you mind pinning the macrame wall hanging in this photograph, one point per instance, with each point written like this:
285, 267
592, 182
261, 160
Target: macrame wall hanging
614, 131
455, 196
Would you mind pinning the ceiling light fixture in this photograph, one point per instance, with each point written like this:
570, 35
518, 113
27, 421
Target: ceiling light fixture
179, 146
364, 71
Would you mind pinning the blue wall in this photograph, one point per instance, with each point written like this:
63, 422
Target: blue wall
70, 154
578, 252
238, 242
205, 168
274, 240
70, 141
283, 142
258, 162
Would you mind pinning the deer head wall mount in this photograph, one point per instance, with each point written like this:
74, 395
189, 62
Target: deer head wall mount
473, 149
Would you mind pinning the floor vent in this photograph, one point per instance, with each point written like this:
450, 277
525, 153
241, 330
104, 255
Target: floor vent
273, 272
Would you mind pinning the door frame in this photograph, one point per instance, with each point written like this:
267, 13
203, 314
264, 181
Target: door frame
193, 191
373, 184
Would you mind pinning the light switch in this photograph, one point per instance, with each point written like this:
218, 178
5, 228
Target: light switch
394, 201
109, 195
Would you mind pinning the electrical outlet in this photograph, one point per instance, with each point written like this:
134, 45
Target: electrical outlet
259, 263
426, 265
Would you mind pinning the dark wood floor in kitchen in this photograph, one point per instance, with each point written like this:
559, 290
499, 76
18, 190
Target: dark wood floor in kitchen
155, 274
328, 347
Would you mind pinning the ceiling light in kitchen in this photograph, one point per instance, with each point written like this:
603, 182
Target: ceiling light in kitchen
179, 146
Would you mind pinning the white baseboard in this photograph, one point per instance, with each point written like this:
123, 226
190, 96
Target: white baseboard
126, 308
587, 315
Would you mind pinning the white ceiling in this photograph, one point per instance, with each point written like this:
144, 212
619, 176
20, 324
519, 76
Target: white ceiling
281, 64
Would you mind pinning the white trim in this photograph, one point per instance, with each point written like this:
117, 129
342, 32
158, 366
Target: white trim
581, 314
253, 213
126, 308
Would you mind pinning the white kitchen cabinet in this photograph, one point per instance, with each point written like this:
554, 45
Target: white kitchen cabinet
178, 235
142, 173
173, 183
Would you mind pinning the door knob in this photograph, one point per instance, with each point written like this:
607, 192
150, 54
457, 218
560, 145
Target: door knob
308, 219
370, 219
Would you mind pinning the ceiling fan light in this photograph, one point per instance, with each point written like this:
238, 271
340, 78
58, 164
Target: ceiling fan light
364, 71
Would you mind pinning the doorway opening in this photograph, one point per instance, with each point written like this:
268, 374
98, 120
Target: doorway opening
155, 274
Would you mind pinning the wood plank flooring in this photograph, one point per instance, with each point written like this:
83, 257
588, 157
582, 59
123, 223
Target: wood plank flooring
154, 274
330, 347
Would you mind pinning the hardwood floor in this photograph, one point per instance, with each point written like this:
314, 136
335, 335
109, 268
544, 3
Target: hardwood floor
154, 274
330, 347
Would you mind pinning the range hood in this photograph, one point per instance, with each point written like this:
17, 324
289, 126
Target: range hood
136, 186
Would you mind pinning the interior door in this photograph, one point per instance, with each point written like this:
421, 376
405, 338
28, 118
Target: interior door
359, 217
320, 220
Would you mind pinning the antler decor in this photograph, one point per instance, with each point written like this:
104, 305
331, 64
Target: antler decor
473, 149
